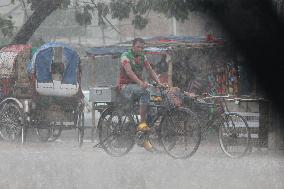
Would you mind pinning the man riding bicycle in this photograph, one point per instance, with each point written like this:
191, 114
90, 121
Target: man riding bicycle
131, 83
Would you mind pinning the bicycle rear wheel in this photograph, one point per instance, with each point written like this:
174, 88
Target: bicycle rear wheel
116, 132
180, 133
234, 135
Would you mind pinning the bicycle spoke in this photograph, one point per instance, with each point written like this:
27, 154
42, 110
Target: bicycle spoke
115, 133
181, 134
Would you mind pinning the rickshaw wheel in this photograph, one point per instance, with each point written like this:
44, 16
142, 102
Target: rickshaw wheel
49, 133
11, 121
43, 133
80, 126
55, 133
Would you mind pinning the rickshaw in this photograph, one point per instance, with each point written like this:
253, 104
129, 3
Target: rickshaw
55, 100
14, 90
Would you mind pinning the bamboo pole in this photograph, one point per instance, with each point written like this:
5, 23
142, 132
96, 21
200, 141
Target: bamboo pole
170, 70
94, 127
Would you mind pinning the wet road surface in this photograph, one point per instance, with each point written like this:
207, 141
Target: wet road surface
62, 164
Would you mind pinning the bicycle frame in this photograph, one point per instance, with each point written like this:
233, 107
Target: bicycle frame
217, 114
234, 139
131, 107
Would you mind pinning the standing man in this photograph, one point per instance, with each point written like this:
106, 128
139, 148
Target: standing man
130, 80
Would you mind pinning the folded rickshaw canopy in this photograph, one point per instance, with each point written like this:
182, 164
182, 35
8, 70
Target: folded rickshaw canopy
43, 58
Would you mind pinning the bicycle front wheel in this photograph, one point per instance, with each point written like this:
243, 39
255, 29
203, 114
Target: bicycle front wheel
180, 133
116, 132
234, 135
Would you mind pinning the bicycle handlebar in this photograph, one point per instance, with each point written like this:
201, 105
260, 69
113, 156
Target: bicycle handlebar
156, 85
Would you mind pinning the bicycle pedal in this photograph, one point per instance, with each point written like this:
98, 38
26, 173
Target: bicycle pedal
140, 138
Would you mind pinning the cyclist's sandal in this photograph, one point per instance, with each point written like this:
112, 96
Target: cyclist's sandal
143, 127
148, 146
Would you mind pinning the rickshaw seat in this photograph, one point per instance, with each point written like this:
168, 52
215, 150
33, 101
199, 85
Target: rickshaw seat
57, 88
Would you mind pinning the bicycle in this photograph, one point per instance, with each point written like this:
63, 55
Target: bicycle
233, 130
176, 128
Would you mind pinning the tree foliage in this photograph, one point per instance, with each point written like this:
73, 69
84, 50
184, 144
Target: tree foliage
37, 4
179, 9
103, 11
84, 17
42, 9
121, 9
6, 26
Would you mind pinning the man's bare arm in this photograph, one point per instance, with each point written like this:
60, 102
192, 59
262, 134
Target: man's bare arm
153, 74
133, 76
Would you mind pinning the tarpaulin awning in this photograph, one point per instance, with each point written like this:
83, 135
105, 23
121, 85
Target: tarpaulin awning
158, 44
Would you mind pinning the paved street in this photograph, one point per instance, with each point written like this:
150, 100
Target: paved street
62, 164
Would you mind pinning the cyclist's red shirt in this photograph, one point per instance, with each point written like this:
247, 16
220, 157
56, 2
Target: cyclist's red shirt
137, 64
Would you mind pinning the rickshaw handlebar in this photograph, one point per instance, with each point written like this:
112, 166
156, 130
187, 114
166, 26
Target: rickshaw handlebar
203, 96
210, 96
156, 85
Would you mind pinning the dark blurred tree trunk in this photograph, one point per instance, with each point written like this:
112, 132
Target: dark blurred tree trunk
42, 11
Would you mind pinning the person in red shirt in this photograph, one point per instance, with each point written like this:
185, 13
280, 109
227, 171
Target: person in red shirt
130, 81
